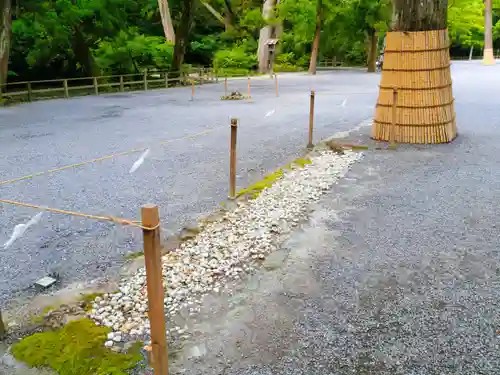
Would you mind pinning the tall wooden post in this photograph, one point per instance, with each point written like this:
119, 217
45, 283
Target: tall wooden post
156, 295
232, 158
30, 92
276, 84
122, 87
311, 119
192, 89
225, 85
249, 92
488, 58
145, 80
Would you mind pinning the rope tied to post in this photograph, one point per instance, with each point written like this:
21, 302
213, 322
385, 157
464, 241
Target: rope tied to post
112, 219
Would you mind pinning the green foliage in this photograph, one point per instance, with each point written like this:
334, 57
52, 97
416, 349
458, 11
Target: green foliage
236, 57
130, 51
76, 349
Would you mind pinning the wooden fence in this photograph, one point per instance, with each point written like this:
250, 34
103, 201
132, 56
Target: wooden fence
29, 91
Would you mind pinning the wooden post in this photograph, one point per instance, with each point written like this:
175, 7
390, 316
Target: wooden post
2, 327
166, 80
232, 159
96, 86
276, 83
192, 89
122, 87
392, 134
225, 85
311, 119
201, 76
66, 91
30, 92
145, 80
154, 279
249, 90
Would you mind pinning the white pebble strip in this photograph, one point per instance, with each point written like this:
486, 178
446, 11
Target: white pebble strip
223, 250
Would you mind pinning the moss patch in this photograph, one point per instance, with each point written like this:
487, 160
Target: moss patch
253, 191
76, 349
134, 255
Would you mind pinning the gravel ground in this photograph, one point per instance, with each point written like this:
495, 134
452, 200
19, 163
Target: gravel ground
186, 178
396, 272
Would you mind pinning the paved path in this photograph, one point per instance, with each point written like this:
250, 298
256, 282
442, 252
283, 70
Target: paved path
185, 178
397, 272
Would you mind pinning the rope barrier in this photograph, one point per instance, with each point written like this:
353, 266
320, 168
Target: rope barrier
133, 151
113, 219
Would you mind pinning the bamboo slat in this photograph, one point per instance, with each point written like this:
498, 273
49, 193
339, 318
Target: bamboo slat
417, 64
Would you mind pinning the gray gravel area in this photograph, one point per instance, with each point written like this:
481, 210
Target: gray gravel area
395, 273
186, 178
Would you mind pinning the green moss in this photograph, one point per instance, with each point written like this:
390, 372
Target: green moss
76, 349
134, 255
302, 162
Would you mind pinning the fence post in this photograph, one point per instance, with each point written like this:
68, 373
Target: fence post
30, 92
225, 85
122, 88
145, 80
276, 83
66, 91
392, 133
232, 159
192, 89
2, 326
311, 119
249, 90
154, 279
96, 86
200, 73
166, 80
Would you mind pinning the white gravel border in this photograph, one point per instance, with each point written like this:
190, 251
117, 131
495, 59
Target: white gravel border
223, 250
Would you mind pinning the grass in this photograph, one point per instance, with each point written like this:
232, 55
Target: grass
76, 349
254, 190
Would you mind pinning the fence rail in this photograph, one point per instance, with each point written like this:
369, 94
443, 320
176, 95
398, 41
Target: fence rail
28, 91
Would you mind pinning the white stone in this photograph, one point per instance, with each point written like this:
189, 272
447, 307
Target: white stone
108, 344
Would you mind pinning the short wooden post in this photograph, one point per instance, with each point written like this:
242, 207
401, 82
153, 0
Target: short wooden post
166, 80
232, 159
30, 92
145, 80
225, 85
66, 91
276, 84
154, 279
122, 87
392, 133
311, 119
96, 86
192, 89
249, 93
2, 327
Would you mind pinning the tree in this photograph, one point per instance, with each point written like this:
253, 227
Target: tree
166, 20
488, 58
5, 35
182, 35
317, 33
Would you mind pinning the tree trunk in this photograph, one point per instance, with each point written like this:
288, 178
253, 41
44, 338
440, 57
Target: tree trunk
228, 15
315, 45
420, 15
488, 58
265, 35
166, 20
182, 37
83, 53
5, 35
372, 52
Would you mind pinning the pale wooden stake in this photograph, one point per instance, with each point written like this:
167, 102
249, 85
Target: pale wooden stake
225, 85
232, 158
30, 93
249, 91
66, 91
145, 80
311, 119
122, 88
392, 137
154, 278
276, 83
166, 80
96, 86
192, 89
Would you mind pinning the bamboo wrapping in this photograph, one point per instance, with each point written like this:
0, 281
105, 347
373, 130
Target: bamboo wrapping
417, 64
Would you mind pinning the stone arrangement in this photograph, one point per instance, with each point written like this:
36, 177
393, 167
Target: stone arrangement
225, 250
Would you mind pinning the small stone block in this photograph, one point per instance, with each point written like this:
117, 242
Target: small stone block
45, 282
